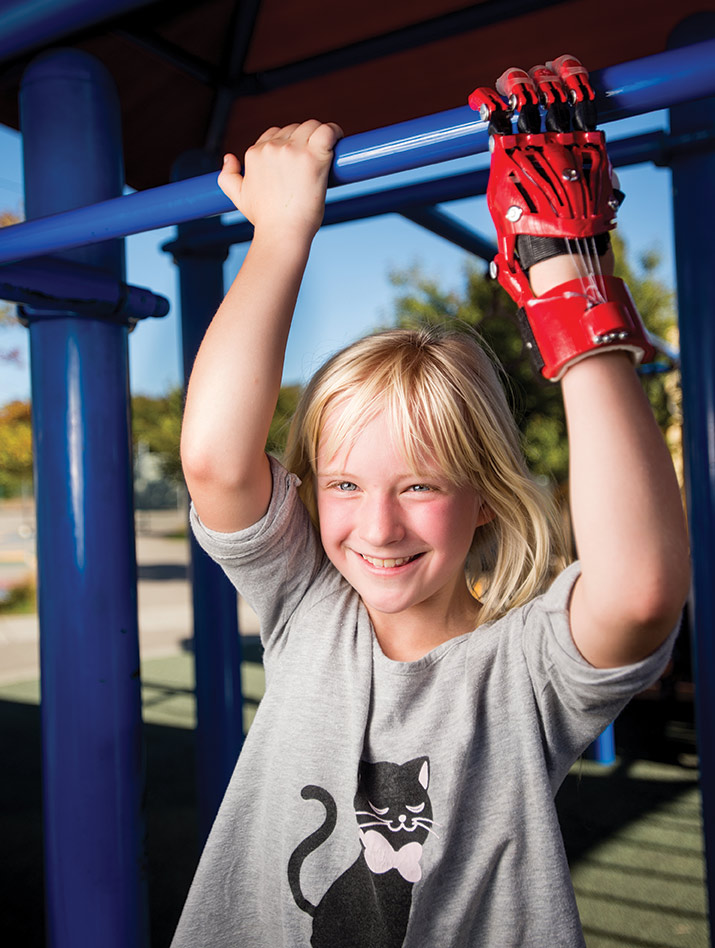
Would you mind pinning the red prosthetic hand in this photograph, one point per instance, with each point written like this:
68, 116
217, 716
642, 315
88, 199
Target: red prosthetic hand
551, 193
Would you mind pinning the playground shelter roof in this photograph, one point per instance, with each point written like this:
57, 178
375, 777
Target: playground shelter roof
213, 74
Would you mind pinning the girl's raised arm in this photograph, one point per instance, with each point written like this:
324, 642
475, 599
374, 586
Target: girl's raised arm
236, 377
553, 199
626, 508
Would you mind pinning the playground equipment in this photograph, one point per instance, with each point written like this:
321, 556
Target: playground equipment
91, 712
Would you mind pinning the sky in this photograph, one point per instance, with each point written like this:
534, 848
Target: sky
346, 291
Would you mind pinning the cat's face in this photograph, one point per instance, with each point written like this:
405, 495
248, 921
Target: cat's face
392, 799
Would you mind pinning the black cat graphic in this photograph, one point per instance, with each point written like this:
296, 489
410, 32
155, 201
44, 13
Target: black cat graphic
368, 906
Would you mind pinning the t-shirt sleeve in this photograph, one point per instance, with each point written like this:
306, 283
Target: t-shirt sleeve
576, 700
273, 562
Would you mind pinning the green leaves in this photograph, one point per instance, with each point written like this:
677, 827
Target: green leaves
481, 304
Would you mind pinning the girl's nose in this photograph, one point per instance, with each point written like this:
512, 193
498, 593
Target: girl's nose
381, 522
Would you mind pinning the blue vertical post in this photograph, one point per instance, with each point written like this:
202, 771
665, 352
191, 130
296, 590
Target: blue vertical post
217, 644
603, 749
693, 215
91, 714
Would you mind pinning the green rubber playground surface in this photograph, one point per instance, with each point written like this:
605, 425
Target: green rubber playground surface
633, 831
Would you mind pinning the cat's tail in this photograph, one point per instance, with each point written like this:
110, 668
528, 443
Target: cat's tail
311, 843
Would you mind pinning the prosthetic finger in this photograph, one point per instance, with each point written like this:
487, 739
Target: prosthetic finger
522, 96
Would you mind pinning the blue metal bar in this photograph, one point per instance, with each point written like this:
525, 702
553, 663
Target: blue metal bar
54, 284
33, 24
678, 75
117, 217
651, 146
626, 89
91, 713
217, 643
371, 204
444, 225
693, 213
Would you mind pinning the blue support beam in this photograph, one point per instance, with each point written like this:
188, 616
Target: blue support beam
57, 285
217, 644
628, 89
693, 215
32, 24
444, 225
91, 713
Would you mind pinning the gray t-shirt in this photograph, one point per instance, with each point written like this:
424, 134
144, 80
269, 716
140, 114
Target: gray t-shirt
379, 803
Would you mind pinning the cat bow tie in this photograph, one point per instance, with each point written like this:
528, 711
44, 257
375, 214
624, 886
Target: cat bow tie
381, 857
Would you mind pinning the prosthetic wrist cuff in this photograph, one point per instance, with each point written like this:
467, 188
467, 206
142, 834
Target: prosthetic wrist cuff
582, 318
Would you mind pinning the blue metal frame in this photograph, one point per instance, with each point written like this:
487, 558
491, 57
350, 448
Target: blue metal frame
693, 214
657, 147
91, 711
217, 644
26, 25
675, 76
50, 284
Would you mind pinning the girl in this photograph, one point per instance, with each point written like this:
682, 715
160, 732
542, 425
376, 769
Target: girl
397, 785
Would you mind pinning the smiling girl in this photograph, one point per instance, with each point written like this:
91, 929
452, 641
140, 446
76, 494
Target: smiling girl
432, 672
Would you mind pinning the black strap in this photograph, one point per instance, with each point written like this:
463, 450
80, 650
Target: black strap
533, 250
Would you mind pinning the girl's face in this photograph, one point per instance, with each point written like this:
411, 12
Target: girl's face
400, 539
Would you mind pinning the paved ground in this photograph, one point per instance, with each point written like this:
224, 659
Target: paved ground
633, 832
163, 592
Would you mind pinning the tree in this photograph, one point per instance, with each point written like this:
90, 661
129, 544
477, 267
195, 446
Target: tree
15, 448
278, 432
156, 423
7, 311
482, 304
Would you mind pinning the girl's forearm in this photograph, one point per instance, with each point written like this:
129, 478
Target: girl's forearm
627, 515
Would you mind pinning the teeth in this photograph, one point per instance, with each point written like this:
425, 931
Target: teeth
387, 564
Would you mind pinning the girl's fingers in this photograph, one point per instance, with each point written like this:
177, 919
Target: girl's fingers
285, 133
230, 180
230, 164
313, 132
268, 134
325, 136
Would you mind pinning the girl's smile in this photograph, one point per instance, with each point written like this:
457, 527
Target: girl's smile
401, 539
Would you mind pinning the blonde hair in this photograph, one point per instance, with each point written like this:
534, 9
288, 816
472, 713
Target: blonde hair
447, 408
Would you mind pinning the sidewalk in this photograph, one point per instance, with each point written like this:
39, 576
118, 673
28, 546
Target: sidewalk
163, 596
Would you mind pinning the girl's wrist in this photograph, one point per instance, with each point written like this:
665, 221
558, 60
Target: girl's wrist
284, 239
547, 274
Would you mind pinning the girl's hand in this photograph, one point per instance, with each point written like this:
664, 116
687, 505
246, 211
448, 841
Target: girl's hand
282, 189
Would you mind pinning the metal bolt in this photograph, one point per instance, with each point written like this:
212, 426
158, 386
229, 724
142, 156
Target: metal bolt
491, 143
493, 269
613, 204
514, 214
570, 174
484, 112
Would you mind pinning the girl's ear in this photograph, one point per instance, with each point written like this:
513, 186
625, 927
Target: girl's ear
485, 514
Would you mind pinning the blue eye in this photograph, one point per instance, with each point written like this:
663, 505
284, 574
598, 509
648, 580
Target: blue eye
346, 486
419, 488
